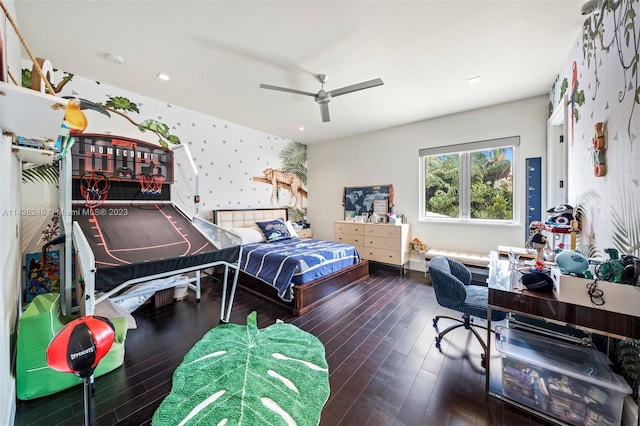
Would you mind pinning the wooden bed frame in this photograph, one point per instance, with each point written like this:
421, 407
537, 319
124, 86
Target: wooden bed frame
305, 296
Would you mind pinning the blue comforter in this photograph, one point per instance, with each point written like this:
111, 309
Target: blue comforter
283, 263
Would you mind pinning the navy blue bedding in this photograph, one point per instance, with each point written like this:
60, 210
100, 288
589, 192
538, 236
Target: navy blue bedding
283, 263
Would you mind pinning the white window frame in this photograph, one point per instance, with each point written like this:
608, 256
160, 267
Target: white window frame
464, 185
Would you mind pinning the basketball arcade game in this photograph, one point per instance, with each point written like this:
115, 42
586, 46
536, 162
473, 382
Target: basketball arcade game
126, 228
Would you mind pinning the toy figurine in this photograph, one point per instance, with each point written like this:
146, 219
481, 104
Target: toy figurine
538, 239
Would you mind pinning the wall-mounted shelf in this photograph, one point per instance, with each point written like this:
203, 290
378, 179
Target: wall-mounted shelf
33, 155
31, 114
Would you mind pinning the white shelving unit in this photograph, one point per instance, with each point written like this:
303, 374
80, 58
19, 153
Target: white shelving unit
33, 155
31, 114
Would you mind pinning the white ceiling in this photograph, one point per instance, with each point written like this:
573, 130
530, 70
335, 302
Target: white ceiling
218, 52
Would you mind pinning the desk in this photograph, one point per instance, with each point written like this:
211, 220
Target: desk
507, 294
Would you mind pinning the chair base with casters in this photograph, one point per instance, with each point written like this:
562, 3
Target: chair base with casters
453, 289
467, 323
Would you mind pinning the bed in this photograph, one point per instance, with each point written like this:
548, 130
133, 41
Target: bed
341, 266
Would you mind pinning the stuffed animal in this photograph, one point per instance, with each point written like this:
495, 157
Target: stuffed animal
572, 262
560, 217
538, 239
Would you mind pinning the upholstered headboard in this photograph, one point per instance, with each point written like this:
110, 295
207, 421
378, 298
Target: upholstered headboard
247, 218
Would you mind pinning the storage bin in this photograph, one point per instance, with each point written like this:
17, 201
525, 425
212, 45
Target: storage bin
571, 383
163, 297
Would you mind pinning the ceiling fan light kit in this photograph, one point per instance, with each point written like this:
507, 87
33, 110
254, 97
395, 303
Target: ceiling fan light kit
323, 97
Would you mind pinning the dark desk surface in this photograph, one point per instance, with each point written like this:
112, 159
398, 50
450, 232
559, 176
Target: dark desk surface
506, 292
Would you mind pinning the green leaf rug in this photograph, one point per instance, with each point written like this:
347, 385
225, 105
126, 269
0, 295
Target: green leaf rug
242, 375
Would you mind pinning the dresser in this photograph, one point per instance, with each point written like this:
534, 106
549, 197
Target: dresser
376, 242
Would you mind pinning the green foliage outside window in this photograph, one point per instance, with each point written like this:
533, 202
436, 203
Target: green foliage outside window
490, 184
441, 185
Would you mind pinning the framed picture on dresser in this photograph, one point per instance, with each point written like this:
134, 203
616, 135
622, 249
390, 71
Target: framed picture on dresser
381, 207
360, 200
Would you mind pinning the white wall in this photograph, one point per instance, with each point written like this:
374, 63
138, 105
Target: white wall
391, 157
605, 86
9, 245
10, 266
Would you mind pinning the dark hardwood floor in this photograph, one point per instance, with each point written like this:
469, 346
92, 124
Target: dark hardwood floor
380, 346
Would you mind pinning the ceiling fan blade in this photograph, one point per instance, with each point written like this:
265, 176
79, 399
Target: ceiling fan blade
356, 87
286, 89
324, 112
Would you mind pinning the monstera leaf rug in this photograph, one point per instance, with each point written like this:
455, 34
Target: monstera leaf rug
242, 375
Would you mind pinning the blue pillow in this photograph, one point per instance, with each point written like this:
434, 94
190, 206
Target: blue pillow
274, 230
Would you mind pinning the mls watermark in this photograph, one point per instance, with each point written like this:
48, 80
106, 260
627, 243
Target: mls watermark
83, 211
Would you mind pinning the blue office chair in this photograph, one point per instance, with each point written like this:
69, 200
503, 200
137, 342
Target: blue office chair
452, 285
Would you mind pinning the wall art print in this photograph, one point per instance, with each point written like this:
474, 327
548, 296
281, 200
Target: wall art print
291, 176
360, 200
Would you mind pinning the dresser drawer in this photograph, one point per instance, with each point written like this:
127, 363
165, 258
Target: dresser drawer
305, 233
356, 240
385, 231
348, 228
394, 244
381, 255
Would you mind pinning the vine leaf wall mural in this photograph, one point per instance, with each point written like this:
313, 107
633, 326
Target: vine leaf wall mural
601, 79
624, 40
576, 98
116, 104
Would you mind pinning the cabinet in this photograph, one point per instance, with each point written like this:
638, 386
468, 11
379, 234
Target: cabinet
305, 233
376, 242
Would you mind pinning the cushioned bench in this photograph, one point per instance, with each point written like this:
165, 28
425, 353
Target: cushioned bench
477, 263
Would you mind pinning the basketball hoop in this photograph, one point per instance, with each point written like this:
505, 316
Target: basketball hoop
151, 184
94, 188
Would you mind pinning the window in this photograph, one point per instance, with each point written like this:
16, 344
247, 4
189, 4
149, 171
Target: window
469, 182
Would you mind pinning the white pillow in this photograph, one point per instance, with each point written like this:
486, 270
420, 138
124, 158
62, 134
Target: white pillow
108, 309
249, 235
291, 230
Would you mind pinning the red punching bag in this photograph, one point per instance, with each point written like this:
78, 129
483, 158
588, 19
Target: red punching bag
80, 345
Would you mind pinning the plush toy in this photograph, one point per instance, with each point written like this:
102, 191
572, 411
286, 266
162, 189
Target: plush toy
572, 262
560, 217
538, 239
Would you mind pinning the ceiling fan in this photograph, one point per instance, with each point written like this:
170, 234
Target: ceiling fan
323, 97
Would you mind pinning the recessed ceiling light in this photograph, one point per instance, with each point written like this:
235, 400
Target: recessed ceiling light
301, 128
474, 80
162, 76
